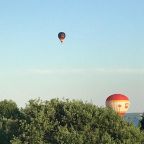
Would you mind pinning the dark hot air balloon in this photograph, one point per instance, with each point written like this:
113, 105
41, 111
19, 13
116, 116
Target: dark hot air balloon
61, 36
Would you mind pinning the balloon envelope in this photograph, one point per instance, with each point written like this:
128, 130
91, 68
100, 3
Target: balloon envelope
118, 102
61, 36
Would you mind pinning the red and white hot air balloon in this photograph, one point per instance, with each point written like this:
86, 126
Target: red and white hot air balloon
118, 102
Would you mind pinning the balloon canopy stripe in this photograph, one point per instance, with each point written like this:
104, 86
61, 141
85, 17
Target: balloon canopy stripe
117, 97
118, 100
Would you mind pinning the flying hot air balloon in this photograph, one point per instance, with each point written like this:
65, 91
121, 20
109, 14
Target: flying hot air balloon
118, 102
61, 36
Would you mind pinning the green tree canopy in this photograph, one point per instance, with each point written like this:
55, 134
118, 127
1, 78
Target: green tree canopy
74, 122
9, 117
8, 109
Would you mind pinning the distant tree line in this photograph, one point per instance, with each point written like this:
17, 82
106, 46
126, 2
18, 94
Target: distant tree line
65, 122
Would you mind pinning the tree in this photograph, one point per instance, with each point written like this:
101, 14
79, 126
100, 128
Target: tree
74, 122
8, 109
142, 122
9, 115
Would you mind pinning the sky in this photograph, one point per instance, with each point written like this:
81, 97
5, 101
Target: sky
103, 52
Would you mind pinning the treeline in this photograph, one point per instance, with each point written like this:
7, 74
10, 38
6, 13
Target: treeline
64, 122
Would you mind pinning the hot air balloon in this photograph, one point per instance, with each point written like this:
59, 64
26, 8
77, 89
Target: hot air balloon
61, 36
118, 102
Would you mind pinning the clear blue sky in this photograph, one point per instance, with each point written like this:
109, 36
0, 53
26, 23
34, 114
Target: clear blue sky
103, 52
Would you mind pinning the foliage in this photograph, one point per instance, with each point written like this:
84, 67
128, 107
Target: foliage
64, 122
8, 109
9, 115
142, 122
73, 122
